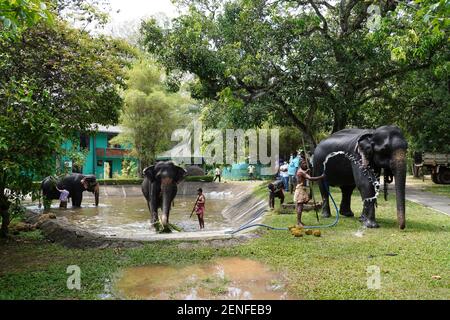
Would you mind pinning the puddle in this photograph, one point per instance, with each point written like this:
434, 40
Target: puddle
222, 279
125, 217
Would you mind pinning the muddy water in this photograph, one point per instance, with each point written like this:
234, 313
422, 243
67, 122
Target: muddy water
124, 217
225, 278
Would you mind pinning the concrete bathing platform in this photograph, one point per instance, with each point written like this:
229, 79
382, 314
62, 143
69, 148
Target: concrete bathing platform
122, 218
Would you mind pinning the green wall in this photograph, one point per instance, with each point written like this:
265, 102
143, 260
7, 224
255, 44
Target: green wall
91, 164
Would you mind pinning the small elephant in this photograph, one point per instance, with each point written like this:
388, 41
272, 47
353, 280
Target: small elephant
75, 183
354, 158
160, 188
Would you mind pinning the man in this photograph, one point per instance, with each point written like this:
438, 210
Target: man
63, 197
284, 175
217, 174
251, 172
200, 208
292, 170
275, 191
301, 196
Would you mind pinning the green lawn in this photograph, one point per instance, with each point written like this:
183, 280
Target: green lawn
333, 266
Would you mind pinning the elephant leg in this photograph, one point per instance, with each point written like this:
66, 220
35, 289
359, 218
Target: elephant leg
80, 199
325, 201
153, 207
47, 203
368, 215
76, 199
345, 209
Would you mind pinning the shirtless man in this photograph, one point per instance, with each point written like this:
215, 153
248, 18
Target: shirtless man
301, 195
200, 208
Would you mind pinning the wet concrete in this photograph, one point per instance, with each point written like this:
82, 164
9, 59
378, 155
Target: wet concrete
224, 278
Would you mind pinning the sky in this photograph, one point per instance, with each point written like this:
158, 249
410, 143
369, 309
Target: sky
126, 16
136, 9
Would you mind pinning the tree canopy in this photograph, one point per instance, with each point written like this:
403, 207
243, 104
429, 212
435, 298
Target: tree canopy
55, 81
17, 15
316, 65
151, 112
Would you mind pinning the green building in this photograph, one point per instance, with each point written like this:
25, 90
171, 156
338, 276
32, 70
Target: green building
103, 158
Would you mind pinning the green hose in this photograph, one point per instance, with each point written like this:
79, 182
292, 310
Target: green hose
247, 225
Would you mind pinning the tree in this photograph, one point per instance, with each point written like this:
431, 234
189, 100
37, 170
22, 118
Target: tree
315, 64
54, 82
150, 112
18, 15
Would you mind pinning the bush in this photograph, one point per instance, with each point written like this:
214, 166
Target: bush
199, 178
118, 182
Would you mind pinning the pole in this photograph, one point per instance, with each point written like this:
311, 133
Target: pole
312, 191
193, 209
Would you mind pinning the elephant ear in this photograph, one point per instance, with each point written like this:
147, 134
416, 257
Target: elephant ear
364, 147
180, 174
150, 173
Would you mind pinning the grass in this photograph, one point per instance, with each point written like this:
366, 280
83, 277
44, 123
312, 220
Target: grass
333, 266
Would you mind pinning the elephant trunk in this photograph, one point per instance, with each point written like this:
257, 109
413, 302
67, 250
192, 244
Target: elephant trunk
398, 165
167, 195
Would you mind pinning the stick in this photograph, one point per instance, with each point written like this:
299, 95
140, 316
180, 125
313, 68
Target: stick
193, 209
312, 191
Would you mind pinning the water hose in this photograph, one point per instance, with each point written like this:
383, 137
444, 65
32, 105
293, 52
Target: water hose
248, 225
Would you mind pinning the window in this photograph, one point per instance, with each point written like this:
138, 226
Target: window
110, 145
84, 142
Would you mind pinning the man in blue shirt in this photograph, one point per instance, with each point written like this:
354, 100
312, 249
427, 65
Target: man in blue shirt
294, 163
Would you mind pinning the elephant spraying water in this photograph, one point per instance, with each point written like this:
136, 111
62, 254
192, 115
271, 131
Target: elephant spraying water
354, 158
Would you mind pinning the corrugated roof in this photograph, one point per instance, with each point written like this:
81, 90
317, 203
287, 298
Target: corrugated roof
109, 129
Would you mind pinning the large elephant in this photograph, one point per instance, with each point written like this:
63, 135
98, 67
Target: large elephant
355, 157
75, 183
160, 188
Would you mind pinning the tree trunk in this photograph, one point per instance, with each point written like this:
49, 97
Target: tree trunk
302, 126
4, 212
340, 121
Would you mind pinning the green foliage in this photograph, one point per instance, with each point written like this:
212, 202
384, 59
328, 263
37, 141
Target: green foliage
150, 113
199, 178
55, 81
120, 181
129, 170
80, 74
77, 156
29, 136
16, 15
313, 65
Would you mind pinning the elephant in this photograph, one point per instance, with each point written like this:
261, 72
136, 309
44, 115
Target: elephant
75, 183
354, 158
160, 188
